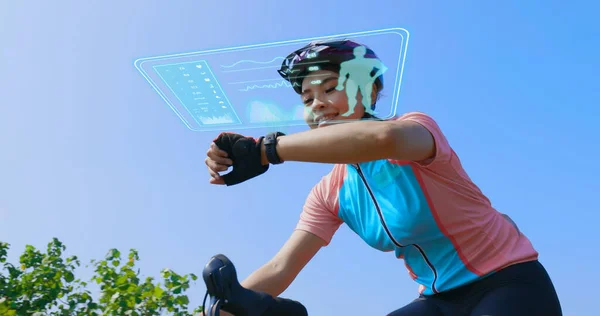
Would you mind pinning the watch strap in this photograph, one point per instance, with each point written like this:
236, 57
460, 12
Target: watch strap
270, 142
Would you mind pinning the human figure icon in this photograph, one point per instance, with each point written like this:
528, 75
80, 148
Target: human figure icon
356, 73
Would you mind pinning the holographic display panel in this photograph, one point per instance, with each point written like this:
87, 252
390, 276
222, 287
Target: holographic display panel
239, 87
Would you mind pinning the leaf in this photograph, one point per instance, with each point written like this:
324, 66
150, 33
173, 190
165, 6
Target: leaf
69, 277
5, 308
177, 289
182, 300
122, 280
113, 254
158, 292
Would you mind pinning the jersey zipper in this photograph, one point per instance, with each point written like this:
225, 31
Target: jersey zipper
387, 230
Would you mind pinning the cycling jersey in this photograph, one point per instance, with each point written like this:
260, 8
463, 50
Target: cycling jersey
429, 213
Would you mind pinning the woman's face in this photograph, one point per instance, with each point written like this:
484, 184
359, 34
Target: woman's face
323, 103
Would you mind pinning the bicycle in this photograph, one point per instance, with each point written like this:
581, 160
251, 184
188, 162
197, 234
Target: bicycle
228, 294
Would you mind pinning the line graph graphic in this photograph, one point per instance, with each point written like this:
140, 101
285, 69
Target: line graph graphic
250, 61
280, 84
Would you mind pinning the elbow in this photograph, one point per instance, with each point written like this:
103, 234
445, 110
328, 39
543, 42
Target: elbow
276, 267
271, 278
282, 276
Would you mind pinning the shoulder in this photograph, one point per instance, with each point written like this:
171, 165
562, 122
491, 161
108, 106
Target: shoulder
320, 212
442, 150
331, 182
416, 116
424, 120
325, 194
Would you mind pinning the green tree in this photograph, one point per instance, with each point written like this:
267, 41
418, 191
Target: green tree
46, 284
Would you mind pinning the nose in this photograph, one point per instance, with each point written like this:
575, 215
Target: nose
317, 104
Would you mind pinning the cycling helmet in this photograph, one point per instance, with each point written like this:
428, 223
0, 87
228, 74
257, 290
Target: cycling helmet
319, 55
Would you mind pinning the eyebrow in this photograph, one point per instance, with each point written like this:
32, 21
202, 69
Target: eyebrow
322, 83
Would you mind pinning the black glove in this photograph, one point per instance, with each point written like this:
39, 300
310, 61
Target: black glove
246, 156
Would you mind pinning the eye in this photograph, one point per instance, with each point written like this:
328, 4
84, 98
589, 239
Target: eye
307, 101
330, 90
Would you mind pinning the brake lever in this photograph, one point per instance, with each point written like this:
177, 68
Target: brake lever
215, 306
220, 278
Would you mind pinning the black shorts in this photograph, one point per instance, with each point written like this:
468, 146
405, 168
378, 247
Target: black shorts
521, 289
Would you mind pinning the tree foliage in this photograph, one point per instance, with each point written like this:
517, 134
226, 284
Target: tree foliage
46, 284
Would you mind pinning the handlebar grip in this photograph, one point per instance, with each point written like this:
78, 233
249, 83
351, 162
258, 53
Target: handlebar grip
221, 281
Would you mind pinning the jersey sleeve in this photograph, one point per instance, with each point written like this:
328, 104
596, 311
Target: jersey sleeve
320, 212
443, 151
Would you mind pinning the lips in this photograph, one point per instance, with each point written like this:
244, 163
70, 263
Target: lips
322, 119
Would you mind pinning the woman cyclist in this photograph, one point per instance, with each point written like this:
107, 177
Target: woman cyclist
396, 183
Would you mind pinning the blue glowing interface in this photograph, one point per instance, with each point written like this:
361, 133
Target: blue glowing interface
240, 88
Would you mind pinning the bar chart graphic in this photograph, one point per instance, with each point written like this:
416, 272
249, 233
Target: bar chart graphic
199, 92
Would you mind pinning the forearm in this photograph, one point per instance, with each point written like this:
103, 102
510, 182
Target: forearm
269, 279
342, 143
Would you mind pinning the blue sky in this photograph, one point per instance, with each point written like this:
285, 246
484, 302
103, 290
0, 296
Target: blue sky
92, 155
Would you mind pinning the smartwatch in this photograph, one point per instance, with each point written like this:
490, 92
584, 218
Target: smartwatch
270, 142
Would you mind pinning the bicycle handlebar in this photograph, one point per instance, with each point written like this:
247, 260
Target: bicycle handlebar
228, 294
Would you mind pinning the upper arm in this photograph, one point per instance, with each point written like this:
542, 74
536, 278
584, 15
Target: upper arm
320, 212
316, 226
417, 137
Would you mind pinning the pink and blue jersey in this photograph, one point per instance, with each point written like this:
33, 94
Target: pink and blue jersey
429, 213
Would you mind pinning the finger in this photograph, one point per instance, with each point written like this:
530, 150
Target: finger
215, 178
218, 150
214, 174
211, 157
217, 167
220, 160
216, 181
215, 156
